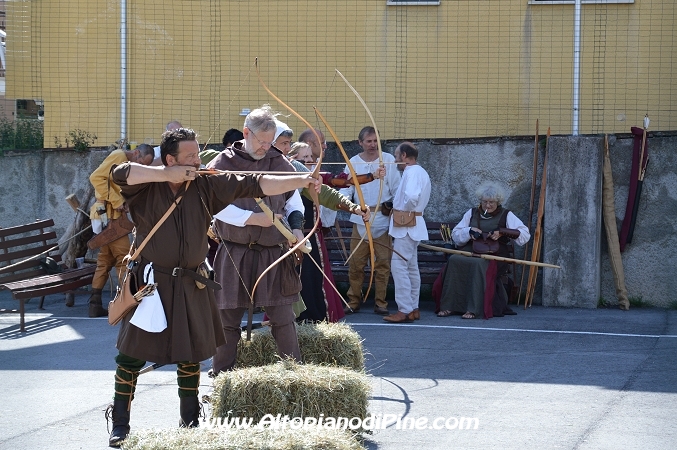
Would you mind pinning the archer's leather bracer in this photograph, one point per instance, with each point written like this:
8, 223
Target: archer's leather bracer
509, 232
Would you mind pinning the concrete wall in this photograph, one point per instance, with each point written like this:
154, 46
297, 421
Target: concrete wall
650, 260
35, 184
572, 222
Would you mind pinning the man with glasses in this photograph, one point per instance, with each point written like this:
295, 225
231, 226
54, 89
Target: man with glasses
249, 244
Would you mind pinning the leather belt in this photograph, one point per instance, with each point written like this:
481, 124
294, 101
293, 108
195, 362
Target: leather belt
414, 213
256, 246
181, 272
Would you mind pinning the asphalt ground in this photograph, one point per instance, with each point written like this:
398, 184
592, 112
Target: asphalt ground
547, 378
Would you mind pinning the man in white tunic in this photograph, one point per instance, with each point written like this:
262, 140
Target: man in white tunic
410, 200
367, 162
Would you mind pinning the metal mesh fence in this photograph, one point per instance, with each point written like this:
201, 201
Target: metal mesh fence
462, 68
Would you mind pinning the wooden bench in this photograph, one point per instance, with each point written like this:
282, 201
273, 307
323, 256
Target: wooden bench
429, 262
22, 271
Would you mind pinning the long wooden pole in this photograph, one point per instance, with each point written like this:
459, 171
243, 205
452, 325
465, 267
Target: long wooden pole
531, 207
536, 251
490, 257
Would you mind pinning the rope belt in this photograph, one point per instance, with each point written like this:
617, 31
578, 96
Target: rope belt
181, 272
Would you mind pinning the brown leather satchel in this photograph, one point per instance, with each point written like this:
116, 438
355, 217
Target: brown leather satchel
386, 208
116, 229
124, 300
485, 245
404, 218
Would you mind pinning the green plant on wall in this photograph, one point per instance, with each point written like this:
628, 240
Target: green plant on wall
21, 134
81, 139
29, 134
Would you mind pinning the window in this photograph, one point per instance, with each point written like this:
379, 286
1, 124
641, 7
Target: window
571, 2
412, 2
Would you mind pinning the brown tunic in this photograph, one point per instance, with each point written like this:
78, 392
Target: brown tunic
194, 327
236, 265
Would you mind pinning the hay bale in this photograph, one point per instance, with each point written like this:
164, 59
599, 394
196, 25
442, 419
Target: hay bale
293, 390
234, 439
332, 344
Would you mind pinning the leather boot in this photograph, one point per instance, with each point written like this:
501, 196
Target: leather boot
190, 412
120, 417
96, 309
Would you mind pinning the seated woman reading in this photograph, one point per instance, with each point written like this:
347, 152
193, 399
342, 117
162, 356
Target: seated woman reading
472, 286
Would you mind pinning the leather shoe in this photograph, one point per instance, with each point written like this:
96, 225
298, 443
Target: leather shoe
381, 311
400, 317
347, 310
417, 314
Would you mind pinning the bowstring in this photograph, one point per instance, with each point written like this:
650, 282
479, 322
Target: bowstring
221, 243
213, 221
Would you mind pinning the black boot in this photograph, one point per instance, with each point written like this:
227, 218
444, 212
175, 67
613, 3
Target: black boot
120, 417
190, 412
96, 309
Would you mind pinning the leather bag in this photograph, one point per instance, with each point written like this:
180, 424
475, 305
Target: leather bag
386, 208
404, 218
125, 300
116, 229
485, 245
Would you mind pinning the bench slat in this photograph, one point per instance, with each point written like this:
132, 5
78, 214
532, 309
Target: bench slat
21, 266
48, 290
52, 284
51, 279
25, 253
21, 276
24, 228
9, 243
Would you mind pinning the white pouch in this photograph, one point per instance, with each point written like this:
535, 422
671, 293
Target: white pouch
150, 315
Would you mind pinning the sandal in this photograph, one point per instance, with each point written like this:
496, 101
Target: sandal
445, 313
468, 315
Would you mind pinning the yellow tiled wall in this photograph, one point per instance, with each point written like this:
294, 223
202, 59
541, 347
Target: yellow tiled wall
461, 69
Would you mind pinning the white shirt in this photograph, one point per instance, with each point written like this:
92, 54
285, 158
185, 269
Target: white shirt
461, 232
370, 191
412, 195
235, 216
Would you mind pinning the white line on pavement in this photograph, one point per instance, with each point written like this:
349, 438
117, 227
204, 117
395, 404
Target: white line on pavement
522, 330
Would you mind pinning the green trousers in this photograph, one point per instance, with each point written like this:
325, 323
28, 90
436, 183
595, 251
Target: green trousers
187, 377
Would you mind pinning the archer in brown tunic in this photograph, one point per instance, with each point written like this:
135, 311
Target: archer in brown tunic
193, 326
246, 251
178, 246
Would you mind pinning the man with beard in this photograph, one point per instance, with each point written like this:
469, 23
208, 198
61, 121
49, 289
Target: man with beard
249, 244
176, 250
